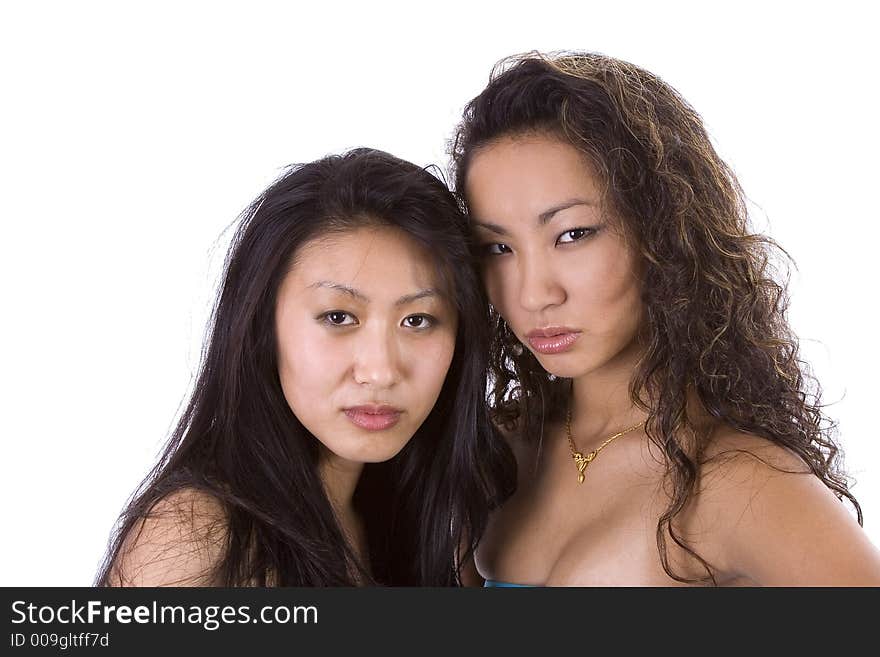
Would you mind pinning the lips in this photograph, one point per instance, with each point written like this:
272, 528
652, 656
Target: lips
372, 417
553, 339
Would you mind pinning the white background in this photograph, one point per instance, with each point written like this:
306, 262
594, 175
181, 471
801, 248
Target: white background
130, 139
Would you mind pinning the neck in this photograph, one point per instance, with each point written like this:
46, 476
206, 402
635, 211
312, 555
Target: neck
601, 404
340, 478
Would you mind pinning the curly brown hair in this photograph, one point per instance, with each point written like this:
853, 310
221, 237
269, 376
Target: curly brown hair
716, 326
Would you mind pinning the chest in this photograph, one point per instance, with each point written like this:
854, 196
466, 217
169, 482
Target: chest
555, 531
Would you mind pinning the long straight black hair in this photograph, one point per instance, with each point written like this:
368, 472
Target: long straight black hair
238, 440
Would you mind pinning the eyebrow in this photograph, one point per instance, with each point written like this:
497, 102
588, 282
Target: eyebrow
543, 218
360, 296
547, 215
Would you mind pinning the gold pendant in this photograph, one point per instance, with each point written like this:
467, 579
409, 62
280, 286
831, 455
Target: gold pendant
582, 462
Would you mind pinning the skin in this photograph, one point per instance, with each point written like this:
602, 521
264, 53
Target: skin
360, 319
555, 256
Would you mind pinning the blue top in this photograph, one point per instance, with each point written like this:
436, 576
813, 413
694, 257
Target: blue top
497, 583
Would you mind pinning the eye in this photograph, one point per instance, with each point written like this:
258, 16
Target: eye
574, 235
419, 322
495, 249
339, 318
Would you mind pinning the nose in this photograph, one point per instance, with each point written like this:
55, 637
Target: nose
377, 359
539, 286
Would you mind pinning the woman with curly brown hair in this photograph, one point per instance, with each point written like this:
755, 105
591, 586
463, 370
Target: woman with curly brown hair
642, 366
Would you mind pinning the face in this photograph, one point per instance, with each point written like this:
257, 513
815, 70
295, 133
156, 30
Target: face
556, 266
365, 338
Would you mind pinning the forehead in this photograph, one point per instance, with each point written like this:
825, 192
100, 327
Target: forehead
383, 262
525, 175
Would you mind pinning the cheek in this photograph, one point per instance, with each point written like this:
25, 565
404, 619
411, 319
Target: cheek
307, 366
431, 362
608, 291
498, 289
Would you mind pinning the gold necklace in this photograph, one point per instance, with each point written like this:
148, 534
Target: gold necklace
581, 461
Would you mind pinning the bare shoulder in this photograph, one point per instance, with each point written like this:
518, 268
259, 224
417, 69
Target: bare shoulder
766, 517
178, 543
737, 464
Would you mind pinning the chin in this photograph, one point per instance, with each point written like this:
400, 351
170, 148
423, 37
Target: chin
567, 366
377, 454
378, 458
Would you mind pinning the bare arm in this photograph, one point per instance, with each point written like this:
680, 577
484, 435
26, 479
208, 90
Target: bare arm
781, 528
469, 574
178, 544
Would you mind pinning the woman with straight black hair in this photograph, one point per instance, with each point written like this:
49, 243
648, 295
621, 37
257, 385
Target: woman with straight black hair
337, 432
